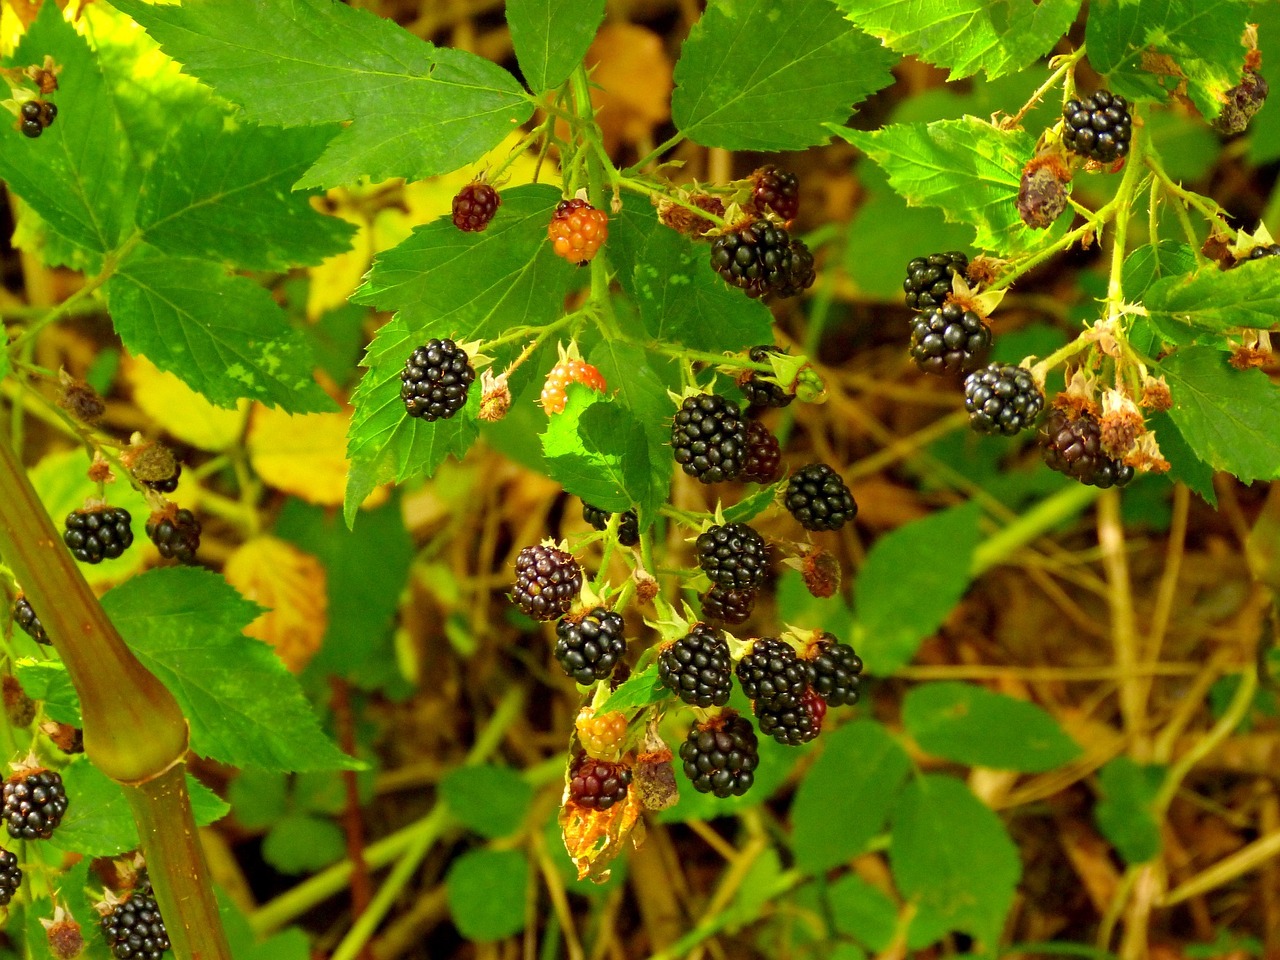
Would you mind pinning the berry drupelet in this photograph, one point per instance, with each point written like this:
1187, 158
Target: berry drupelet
763, 462
949, 340
1098, 127
709, 438
836, 671
97, 535
818, 498
474, 206
435, 380
1002, 398
34, 804
176, 537
548, 580
929, 278
598, 784
25, 617
134, 929
1073, 445
697, 668
10, 876
721, 755
733, 556
772, 675
628, 526
588, 648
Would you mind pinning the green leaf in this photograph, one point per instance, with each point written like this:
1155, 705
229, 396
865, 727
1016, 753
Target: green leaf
486, 894
493, 801
551, 37
965, 36
49, 682
1150, 49
290, 944
843, 801
223, 194
597, 450
681, 299
244, 707
1184, 465
900, 600
968, 168
300, 843
80, 175
767, 75
259, 798
223, 335
1227, 416
639, 690
1148, 264
1126, 812
752, 505
981, 728
863, 912
1247, 296
951, 855
415, 110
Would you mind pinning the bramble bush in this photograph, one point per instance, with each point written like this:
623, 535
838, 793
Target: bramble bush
290, 270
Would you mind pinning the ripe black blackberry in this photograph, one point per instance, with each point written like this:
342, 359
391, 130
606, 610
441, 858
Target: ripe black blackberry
802, 273
589, 647
176, 537
1098, 127
1258, 253
1073, 445
97, 535
728, 606
25, 617
818, 498
733, 555
134, 929
949, 340
34, 802
474, 206
10, 876
598, 784
776, 190
168, 484
773, 676
1003, 398
628, 526
793, 725
548, 580
761, 393
697, 668
836, 670
709, 438
721, 755
763, 462
929, 278
757, 259
436, 379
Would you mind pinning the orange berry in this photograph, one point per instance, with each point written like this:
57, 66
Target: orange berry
602, 736
554, 391
577, 230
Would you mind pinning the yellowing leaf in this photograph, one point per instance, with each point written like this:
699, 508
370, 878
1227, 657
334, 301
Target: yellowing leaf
334, 280
180, 410
631, 82
304, 455
292, 585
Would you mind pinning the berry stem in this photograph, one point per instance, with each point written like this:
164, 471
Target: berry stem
1067, 64
1039, 520
667, 145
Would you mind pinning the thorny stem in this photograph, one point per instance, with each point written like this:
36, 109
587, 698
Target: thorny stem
1068, 63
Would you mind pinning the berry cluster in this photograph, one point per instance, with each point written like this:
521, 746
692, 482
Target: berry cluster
590, 646
761, 393
25, 617
94, 535
176, 534
1002, 399
763, 461
819, 499
36, 116
435, 380
548, 580
598, 784
628, 526
134, 929
474, 206
709, 438
777, 191
169, 484
720, 756
949, 340
10, 876
1098, 127
762, 259
733, 556
34, 804
1073, 445
577, 231
929, 278
567, 371
697, 667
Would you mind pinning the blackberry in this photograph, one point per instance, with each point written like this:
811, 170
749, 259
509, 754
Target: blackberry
763, 462
32, 128
1003, 398
598, 784
1074, 446
34, 802
1258, 253
949, 340
474, 206
721, 755
697, 668
589, 647
547, 582
168, 484
733, 555
836, 670
176, 537
577, 230
776, 190
628, 526
802, 273
1098, 127
773, 676
793, 725
10, 876
818, 498
97, 535
929, 278
728, 606
30, 110
761, 393
757, 259
134, 929
25, 617
709, 438
436, 379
